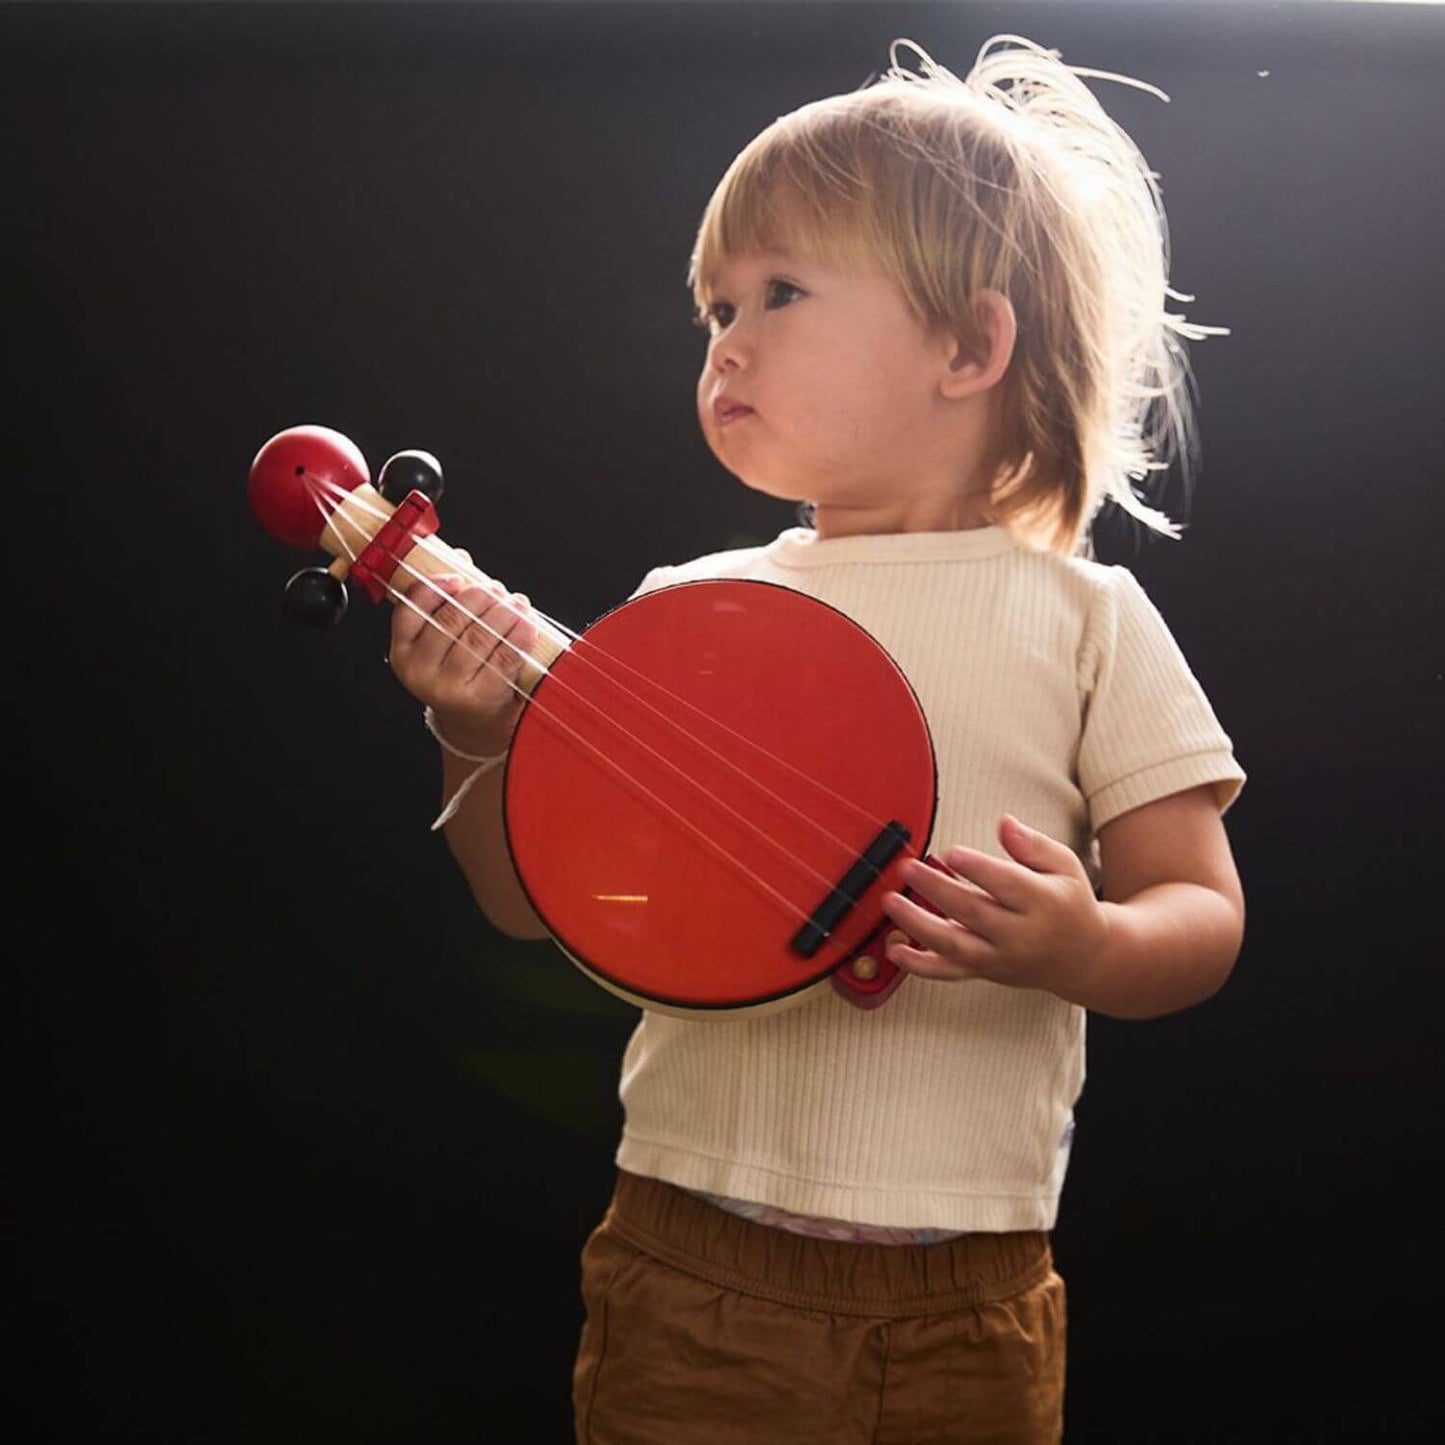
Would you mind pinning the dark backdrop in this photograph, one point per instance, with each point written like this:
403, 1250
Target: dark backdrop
306, 1151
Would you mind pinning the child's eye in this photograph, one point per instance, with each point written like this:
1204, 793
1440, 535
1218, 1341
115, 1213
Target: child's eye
721, 314
780, 293
714, 318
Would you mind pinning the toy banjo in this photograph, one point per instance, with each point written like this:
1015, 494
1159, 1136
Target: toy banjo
711, 787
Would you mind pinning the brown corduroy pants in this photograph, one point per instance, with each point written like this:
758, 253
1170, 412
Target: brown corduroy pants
704, 1328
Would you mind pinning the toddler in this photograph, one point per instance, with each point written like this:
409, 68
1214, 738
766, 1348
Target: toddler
937, 316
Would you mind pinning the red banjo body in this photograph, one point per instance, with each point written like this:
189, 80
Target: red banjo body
758, 742
711, 787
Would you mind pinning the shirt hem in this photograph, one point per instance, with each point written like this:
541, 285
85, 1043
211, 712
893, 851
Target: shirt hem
1161, 780
892, 1206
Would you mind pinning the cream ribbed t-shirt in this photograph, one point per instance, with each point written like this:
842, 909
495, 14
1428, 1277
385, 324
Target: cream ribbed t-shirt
1055, 692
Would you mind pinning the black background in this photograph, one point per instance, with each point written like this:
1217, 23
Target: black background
306, 1151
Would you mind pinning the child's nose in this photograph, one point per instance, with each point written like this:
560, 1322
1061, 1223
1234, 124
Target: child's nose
731, 350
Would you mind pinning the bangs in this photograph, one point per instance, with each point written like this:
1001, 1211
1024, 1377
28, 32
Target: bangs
783, 194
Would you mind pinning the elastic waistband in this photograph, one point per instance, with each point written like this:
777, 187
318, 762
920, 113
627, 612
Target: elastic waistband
700, 1239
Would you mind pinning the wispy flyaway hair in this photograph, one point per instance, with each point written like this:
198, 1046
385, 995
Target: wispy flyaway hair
1013, 179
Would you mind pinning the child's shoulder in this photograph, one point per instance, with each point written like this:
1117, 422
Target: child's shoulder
1113, 606
1092, 582
733, 562
1102, 602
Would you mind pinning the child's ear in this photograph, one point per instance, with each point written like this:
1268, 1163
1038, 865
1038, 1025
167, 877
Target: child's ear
974, 367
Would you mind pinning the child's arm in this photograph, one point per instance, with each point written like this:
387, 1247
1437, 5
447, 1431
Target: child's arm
478, 841
1164, 936
464, 671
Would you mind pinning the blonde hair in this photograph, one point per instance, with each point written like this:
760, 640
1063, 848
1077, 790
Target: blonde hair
1013, 179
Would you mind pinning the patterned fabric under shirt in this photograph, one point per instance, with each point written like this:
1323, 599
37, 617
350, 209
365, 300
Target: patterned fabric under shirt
818, 1228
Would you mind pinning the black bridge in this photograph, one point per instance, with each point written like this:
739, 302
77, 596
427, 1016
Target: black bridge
849, 889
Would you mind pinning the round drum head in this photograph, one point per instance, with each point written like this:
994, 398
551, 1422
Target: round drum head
695, 775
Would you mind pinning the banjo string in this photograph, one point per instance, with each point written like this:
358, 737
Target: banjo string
433, 546
581, 643
794, 910
608, 722
582, 647
607, 761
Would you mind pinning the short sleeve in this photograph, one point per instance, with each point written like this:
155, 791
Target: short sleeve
1148, 728
657, 578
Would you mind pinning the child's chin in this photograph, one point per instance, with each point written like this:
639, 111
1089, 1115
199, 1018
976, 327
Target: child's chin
776, 488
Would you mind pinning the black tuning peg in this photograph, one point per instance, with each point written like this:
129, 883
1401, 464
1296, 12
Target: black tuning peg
408, 472
314, 598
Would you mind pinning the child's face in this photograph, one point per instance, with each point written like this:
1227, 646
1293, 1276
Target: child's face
821, 385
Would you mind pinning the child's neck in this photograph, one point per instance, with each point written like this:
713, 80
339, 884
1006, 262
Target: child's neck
943, 485
956, 514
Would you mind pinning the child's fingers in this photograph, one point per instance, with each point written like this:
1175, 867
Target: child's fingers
448, 632
1036, 851
496, 642
474, 627
1005, 881
929, 965
414, 614
958, 899
957, 956
460, 617
945, 936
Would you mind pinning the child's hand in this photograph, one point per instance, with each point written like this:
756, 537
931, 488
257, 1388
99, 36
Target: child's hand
458, 648
1033, 922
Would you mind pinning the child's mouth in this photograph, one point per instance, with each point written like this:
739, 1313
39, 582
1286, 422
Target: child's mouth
731, 411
